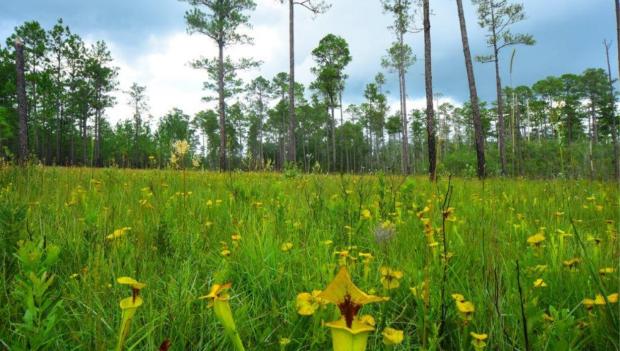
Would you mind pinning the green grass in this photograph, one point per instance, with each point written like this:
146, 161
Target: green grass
175, 242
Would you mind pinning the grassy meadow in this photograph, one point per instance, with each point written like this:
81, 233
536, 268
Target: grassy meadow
535, 262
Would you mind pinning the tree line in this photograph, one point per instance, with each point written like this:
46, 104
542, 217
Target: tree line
564, 125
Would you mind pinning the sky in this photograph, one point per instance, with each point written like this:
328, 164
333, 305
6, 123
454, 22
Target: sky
150, 45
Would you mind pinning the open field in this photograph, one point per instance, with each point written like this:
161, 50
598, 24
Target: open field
275, 236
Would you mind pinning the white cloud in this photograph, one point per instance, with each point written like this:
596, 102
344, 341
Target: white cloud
170, 81
162, 60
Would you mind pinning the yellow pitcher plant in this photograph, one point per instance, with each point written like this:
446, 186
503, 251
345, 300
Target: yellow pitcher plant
350, 332
129, 306
218, 299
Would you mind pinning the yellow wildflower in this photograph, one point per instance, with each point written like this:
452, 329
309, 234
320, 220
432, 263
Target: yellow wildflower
344, 256
425, 210
367, 256
286, 246
606, 270
599, 300
539, 283
366, 214
572, 263
536, 239
540, 268
392, 336
118, 233
458, 297
466, 309
478, 341
421, 291
563, 234
594, 240
308, 303
448, 212
390, 278
588, 303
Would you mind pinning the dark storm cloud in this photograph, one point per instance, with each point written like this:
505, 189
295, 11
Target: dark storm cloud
125, 22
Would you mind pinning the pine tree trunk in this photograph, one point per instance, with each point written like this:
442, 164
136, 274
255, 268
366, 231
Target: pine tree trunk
518, 137
84, 141
222, 107
292, 146
96, 151
59, 158
428, 80
22, 107
281, 139
403, 96
341, 138
333, 136
261, 162
501, 128
33, 115
473, 93
95, 159
72, 146
614, 117
591, 143
58, 109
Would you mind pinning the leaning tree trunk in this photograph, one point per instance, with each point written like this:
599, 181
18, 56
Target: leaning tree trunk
222, 106
428, 80
21, 101
292, 144
473, 93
